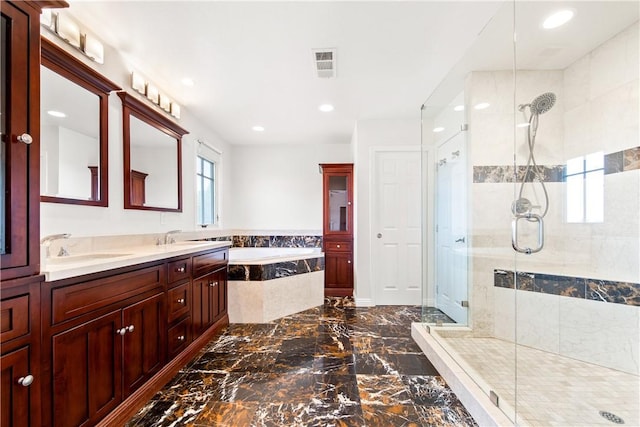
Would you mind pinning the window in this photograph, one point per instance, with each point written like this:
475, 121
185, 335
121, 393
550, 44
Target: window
206, 192
585, 188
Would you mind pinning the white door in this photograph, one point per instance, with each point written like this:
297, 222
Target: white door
396, 225
451, 228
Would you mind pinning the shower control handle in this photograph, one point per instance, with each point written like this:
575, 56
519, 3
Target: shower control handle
460, 240
531, 217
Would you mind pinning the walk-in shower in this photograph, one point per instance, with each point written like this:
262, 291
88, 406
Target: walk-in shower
549, 336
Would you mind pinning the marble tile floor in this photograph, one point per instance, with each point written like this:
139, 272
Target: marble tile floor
333, 365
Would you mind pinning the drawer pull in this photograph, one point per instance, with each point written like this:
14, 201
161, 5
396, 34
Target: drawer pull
129, 328
181, 270
181, 301
181, 338
213, 284
121, 331
26, 380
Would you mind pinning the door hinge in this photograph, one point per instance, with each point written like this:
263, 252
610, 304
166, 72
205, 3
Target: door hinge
494, 397
464, 303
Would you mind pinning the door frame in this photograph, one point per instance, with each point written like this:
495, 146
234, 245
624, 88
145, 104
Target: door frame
373, 220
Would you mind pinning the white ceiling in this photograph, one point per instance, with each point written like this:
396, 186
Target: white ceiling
252, 63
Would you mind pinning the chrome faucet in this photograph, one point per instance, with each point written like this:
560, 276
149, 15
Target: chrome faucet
167, 237
46, 241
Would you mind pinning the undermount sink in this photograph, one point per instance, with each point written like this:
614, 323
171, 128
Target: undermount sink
85, 257
189, 243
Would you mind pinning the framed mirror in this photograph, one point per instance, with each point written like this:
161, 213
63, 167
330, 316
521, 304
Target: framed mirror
152, 158
74, 140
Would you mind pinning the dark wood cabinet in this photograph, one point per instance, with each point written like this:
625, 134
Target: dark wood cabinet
20, 352
337, 226
209, 300
87, 371
112, 339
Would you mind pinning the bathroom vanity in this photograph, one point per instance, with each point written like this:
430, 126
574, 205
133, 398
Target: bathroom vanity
112, 338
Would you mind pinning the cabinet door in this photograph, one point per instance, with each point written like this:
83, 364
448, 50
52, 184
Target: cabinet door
19, 162
143, 341
222, 293
87, 371
338, 270
15, 389
200, 305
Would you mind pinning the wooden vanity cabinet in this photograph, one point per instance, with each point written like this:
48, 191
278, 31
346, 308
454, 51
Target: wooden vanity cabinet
107, 339
20, 356
337, 234
113, 339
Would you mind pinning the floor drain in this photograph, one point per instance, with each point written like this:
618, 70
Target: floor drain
611, 417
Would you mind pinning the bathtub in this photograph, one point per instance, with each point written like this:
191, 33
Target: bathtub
265, 284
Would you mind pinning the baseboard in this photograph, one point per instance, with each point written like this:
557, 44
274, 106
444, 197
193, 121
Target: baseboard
364, 302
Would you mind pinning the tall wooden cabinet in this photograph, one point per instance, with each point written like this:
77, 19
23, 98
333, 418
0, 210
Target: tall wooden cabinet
337, 190
20, 211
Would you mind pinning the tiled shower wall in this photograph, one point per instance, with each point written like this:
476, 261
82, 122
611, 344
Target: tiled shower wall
596, 110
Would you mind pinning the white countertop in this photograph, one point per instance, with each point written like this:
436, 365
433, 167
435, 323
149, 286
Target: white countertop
58, 268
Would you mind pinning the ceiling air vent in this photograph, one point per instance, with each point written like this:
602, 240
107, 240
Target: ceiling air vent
324, 62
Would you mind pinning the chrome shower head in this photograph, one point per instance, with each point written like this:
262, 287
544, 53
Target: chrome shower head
543, 103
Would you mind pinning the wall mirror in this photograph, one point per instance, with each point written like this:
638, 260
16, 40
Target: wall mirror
152, 158
74, 104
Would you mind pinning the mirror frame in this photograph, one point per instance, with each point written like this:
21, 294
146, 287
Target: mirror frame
67, 66
131, 106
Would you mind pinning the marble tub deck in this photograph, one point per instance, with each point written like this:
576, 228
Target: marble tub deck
332, 365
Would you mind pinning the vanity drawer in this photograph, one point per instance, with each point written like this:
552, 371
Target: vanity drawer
205, 263
179, 336
179, 301
14, 318
337, 246
179, 270
75, 300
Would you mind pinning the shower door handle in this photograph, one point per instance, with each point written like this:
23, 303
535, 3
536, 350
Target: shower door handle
531, 217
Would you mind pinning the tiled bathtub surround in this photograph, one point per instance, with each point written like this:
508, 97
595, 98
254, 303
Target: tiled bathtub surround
575, 287
276, 270
620, 161
277, 241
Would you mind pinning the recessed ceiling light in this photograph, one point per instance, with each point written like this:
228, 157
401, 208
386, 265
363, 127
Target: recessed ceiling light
438, 129
258, 128
187, 81
481, 106
56, 113
559, 18
325, 108
458, 108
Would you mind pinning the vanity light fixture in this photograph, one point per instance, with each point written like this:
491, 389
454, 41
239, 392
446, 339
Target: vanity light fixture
438, 129
68, 30
151, 92
326, 108
481, 105
558, 19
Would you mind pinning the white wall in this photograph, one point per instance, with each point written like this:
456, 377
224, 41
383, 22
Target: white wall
114, 219
371, 134
279, 187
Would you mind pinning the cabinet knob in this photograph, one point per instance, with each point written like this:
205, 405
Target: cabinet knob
181, 338
129, 328
349, 262
181, 270
26, 380
213, 284
337, 246
26, 138
181, 301
121, 331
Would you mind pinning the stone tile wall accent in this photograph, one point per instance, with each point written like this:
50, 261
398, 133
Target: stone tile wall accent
627, 293
620, 161
276, 270
277, 241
